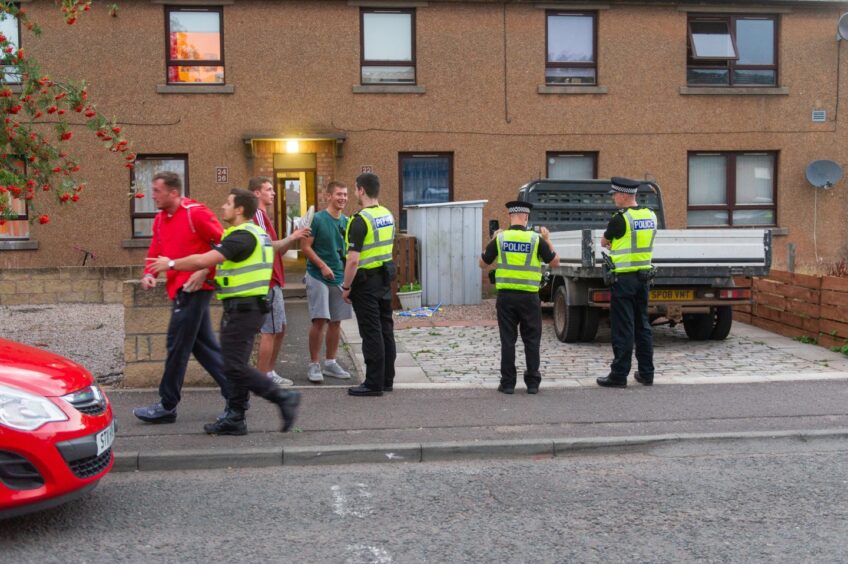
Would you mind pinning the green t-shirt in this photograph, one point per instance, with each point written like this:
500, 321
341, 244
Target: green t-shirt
328, 243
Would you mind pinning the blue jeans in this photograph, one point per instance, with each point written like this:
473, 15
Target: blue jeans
190, 332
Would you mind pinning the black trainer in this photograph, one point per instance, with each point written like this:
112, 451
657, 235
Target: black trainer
228, 425
363, 390
503, 390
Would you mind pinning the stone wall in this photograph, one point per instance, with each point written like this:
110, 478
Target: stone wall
146, 317
64, 284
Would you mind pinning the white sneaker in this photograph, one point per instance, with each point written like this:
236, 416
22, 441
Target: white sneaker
334, 370
279, 380
314, 373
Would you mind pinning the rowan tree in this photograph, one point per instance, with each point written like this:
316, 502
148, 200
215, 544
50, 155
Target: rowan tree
38, 111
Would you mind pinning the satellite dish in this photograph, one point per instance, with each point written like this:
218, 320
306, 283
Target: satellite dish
842, 27
823, 174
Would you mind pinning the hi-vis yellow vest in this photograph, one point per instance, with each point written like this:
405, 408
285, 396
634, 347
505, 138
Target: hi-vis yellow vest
634, 250
518, 264
250, 277
379, 239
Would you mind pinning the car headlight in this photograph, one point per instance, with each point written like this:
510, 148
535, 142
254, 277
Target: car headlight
26, 412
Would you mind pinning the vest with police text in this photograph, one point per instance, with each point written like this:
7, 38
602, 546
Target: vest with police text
379, 238
252, 276
518, 265
634, 250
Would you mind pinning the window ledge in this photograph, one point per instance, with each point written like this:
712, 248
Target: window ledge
571, 89
733, 91
388, 89
135, 243
779, 231
195, 89
30, 245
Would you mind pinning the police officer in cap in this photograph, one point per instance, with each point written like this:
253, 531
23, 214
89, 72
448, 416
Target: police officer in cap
630, 239
519, 253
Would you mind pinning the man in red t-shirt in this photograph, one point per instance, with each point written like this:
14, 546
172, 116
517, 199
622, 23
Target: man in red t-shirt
274, 329
183, 227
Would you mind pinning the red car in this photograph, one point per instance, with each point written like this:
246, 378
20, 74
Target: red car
56, 430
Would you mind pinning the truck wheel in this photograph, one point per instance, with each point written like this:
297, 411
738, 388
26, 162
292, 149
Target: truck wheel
723, 320
698, 326
567, 319
591, 317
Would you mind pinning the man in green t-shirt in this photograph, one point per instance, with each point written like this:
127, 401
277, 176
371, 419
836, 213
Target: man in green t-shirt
325, 251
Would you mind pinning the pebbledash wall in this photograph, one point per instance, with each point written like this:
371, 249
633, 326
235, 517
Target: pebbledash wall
292, 71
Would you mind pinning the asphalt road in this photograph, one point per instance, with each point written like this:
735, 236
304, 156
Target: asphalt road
760, 501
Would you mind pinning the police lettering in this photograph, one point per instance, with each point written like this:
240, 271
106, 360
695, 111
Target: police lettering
384, 221
639, 224
515, 247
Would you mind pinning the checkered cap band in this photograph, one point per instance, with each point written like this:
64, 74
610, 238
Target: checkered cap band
624, 189
518, 209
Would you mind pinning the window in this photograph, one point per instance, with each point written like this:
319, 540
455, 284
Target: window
143, 210
735, 189
195, 45
11, 28
424, 179
387, 46
571, 49
732, 51
15, 225
572, 166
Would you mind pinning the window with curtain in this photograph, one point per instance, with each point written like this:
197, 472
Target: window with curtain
11, 28
15, 224
572, 166
387, 46
570, 55
732, 189
195, 45
732, 50
143, 210
425, 179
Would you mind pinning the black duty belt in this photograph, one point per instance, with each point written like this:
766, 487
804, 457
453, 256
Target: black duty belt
242, 304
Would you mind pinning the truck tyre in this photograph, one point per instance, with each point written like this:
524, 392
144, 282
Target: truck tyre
591, 317
698, 326
723, 320
567, 319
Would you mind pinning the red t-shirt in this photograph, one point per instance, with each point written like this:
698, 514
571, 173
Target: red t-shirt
278, 278
193, 229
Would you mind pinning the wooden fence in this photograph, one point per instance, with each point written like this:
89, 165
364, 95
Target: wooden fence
405, 256
799, 305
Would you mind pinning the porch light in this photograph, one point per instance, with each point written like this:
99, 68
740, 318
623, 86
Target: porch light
292, 146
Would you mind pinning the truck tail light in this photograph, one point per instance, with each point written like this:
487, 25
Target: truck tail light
735, 294
599, 296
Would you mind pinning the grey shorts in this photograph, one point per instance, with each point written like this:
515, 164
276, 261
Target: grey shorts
325, 301
275, 320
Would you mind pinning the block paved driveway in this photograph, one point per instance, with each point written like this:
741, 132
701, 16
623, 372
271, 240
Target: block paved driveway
470, 356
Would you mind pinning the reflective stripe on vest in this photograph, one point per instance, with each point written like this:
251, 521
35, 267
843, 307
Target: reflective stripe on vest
379, 237
518, 264
634, 250
252, 276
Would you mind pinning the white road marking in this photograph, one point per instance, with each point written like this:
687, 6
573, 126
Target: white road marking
363, 553
343, 506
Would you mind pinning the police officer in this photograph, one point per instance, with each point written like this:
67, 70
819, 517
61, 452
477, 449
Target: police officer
246, 252
368, 273
519, 253
630, 239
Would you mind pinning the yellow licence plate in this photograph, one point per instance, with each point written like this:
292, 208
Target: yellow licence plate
672, 295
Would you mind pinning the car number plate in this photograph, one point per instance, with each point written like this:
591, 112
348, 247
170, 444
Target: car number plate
104, 438
672, 295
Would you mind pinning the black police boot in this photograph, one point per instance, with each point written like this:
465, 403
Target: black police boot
611, 382
644, 380
287, 401
232, 423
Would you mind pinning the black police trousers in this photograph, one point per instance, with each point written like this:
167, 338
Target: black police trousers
238, 331
372, 302
630, 324
519, 311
